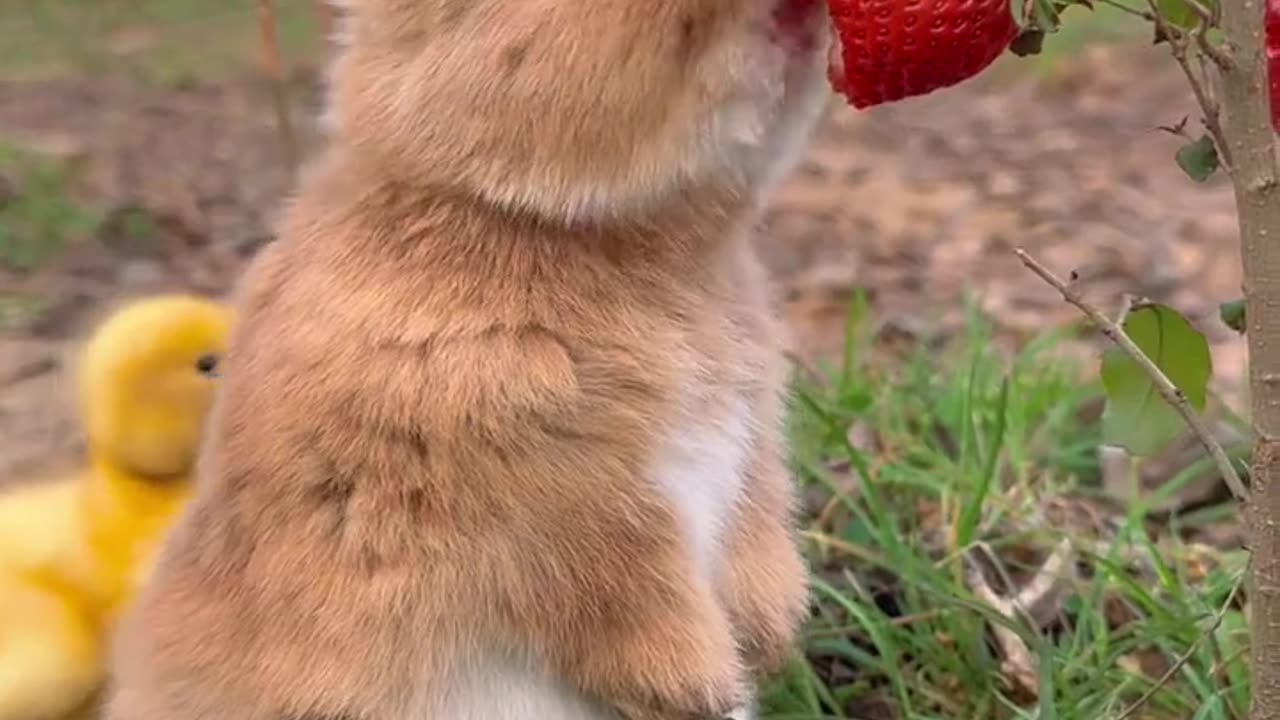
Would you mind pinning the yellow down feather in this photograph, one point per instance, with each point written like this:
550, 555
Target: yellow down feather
75, 548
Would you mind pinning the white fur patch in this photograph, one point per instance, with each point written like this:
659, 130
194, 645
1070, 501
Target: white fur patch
699, 468
505, 691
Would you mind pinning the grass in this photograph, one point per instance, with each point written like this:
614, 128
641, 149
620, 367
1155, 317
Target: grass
167, 42
38, 218
924, 466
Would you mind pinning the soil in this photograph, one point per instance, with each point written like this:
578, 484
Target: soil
915, 203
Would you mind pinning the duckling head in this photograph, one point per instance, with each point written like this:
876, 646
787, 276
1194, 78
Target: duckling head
146, 382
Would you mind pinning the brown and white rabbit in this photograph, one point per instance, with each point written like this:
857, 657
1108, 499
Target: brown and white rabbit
499, 434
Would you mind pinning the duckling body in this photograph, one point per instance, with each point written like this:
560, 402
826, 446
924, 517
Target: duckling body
75, 548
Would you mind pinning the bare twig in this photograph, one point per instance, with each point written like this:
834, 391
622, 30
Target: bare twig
275, 72
1041, 599
1185, 657
1019, 665
1164, 386
1209, 92
1207, 16
1036, 603
1220, 667
1205, 19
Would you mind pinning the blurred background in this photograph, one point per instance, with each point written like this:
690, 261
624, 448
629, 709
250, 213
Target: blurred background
138, 151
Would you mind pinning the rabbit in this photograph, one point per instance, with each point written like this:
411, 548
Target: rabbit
499, 429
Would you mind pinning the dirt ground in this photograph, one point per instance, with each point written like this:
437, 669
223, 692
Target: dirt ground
916, 203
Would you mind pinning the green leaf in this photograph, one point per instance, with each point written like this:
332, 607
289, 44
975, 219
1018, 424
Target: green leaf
1136, 416
1232, 314
1045, 15
1179, 14
1198, 158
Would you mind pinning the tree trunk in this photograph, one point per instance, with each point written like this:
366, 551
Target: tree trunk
1247, 127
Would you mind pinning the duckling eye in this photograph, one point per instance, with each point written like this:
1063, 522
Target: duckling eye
207, 364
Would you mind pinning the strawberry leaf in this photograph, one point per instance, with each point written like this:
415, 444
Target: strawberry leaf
1018, 9
1198, 158
1136, 416
1045, 15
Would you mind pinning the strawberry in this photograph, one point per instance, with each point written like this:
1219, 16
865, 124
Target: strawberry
894, 49
1271, 14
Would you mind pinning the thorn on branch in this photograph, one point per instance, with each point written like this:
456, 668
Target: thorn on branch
1179, 128
275, 73
1170, 392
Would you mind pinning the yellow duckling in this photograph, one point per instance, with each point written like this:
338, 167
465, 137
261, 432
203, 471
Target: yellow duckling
74, 549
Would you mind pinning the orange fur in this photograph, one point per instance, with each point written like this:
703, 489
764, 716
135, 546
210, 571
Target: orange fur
516, 289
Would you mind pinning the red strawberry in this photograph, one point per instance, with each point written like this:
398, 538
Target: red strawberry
1272, 25
894, 49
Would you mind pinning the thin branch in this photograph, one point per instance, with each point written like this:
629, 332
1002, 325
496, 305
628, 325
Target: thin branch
275, 72
1207, 18
1209, 92
1164, 386
1219, 671
1036, 603
1178, 49
1220, 667
1185, 657
1164, 29
1039, 600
